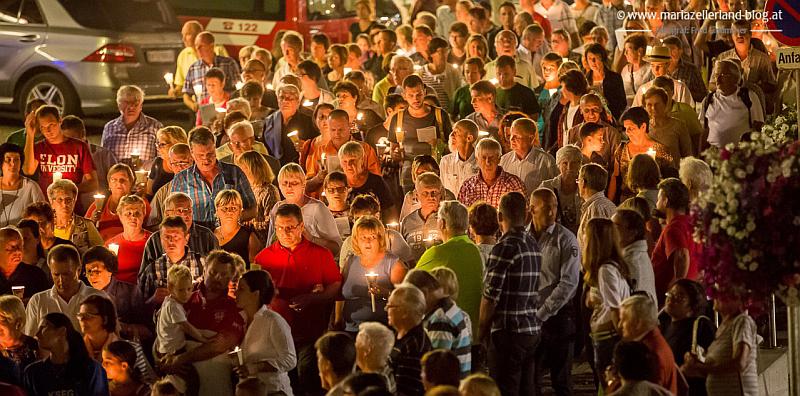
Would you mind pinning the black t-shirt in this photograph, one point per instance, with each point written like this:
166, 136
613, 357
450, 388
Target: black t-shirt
679, 335
377, 187
518, 98
158, 175
33, 278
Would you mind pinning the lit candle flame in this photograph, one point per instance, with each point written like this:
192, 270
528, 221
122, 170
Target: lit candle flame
455, 66
57, 176
308, 103
494, 81
239, 85
360, 116
651, 152
347, 70
114, 248
221, 110
99, 196
483, 133
269, 87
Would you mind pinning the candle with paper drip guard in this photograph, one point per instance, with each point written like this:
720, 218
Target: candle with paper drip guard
57, 176
141, 176
651, 152
169, 78
372, 282
400, 135
114, 248
98, 201
239, 85
198, 90
482, 134
294, 136
393, 226
238, 354
308, 103
135, 158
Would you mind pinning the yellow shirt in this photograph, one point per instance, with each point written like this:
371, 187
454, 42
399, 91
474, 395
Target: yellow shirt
185, 60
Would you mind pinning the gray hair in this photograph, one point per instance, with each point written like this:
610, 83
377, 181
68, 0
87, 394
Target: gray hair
735, 67
129, 91
455, 216
288, 88
380, 338
401, 58
411, 299
245, 126
177, 196
695, 174
488, 144
64, 185
240, 104
641, 307
568, 152
351, 148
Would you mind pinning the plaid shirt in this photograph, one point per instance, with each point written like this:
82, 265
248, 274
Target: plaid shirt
197, 72
560, 16
191, 182
689, 74
512, 281
475, 188
141, 137
154, 275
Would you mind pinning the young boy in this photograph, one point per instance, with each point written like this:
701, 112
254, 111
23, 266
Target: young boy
592, 143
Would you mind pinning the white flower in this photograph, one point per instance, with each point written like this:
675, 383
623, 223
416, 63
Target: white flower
753, 266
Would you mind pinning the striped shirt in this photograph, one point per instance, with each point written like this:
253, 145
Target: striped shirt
449, 327
191, 182
122, 141
154, 274
197, 74
512, 281
405, 361
595, 206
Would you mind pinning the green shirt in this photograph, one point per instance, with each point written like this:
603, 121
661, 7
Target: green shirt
462, 256
462, 103
18, 137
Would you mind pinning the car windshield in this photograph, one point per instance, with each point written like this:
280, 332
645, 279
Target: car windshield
124, 16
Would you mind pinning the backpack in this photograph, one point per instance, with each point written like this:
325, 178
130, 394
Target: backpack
744, 95
438, 150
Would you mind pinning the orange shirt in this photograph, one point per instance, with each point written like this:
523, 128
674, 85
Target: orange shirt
314, 158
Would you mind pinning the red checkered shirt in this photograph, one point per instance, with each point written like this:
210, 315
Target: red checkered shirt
475, 188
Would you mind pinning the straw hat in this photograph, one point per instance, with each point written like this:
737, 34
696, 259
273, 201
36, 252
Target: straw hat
659, 53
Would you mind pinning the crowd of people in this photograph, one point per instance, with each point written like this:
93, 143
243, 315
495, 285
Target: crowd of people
453, 206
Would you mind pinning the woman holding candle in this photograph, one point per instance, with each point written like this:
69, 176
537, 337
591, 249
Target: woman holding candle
267, 348
16, 190
231, 235
337, 57
104, 209
260, 176
312, 146
69, 226
369, 277
161, 172
131, 241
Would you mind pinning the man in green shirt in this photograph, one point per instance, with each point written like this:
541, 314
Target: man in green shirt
512, 95
18, 137
459, 254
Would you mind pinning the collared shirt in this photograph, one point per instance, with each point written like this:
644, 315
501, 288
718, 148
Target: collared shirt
597, 206
197, 75
560, 16
450, 328
536, 167
420, 232
444, 84
154, 275
728, 117
756, 68
454, 171
690, 75
475, 188
229, 176
123, 141
512, 282
561, 264
48, 301
269, 338
640, 267
484, 124
201, 240
186, 58
405, 361
681, 93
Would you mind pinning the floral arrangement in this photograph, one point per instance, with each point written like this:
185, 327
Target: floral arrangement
749, 219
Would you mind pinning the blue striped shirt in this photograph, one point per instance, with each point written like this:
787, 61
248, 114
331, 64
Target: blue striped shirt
449, 327
191, 182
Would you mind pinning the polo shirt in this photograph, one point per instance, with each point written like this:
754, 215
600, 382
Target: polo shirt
220, 315
48, 301
677, 234
297, 272
535, 168
191, 182
462, 256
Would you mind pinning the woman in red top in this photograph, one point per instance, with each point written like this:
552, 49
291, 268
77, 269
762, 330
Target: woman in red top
215, 85
105, 218
130, 242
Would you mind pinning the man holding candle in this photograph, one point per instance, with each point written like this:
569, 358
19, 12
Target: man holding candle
132, 133
13, 272
58, 154
288, 119
419, 228
204, 46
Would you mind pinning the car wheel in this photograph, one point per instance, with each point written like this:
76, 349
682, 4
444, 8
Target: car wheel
54, 89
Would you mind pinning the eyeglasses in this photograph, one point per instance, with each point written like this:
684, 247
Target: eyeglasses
64, 200
94, 272
287, 229
430, 194
180, 164
337, 190
87, 315
675, 297
179, 211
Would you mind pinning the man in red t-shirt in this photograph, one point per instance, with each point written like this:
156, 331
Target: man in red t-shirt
307, 280
672, 254
57, 154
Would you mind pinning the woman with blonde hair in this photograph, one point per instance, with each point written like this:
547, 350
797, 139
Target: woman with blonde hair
607, 275
131, 241
371, 257
14, 344
79, 230
231, 235
260, 176
161, 172
477, 47
121, 181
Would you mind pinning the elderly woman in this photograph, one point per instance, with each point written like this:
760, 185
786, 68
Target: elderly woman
119, 361
130, 243
17, 191
492, 181
353, 157
565, 186
320, 227
161, 172
643, 177
260, 176
231, 235
120, 183
696, 175
68, 368
14, 344
684, 324
100, 266
68, 225
368, 205
370, 257
98, 322
268, 347
374, 344
406, 308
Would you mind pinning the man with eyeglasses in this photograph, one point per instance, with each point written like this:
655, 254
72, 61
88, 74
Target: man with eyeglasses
306, 280
179, 158
203, 180
13, 272
400, 67
592, 110
254, 70
287, 120
201, 239
526, 159
132, 132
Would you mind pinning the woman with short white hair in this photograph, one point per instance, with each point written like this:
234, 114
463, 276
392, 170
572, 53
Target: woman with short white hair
374, 344
62, 195
696, 175
569, 160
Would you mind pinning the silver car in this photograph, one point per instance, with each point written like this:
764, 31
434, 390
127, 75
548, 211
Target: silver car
76, 53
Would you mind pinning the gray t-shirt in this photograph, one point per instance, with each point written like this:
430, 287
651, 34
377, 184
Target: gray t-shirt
419, 232
411, 144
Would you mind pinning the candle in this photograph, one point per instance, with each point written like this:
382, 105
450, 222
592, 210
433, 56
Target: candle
113, 247
221, 110
308, 103
238, 353
417, 68
269, 87
135, 156
400, 135
324, 165
360, 116
564, 60
57, 176
455, 66
19, 291
651, 152
198, 90
141, 176
293, 136
372, 278
483, 133
169, 78
393, 225
494, 81
239, 85
98, 200
347, 70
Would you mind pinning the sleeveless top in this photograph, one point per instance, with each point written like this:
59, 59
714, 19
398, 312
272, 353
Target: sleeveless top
239, 244
357, 301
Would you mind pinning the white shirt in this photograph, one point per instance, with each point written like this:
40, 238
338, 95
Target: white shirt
169, 332
536, 167
454, 171
728, 119
269, 338
445, 17
641, 267
317, 219
681, 93
47, 301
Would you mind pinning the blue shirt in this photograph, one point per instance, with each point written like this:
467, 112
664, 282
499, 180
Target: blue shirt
191, 182
197, 74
